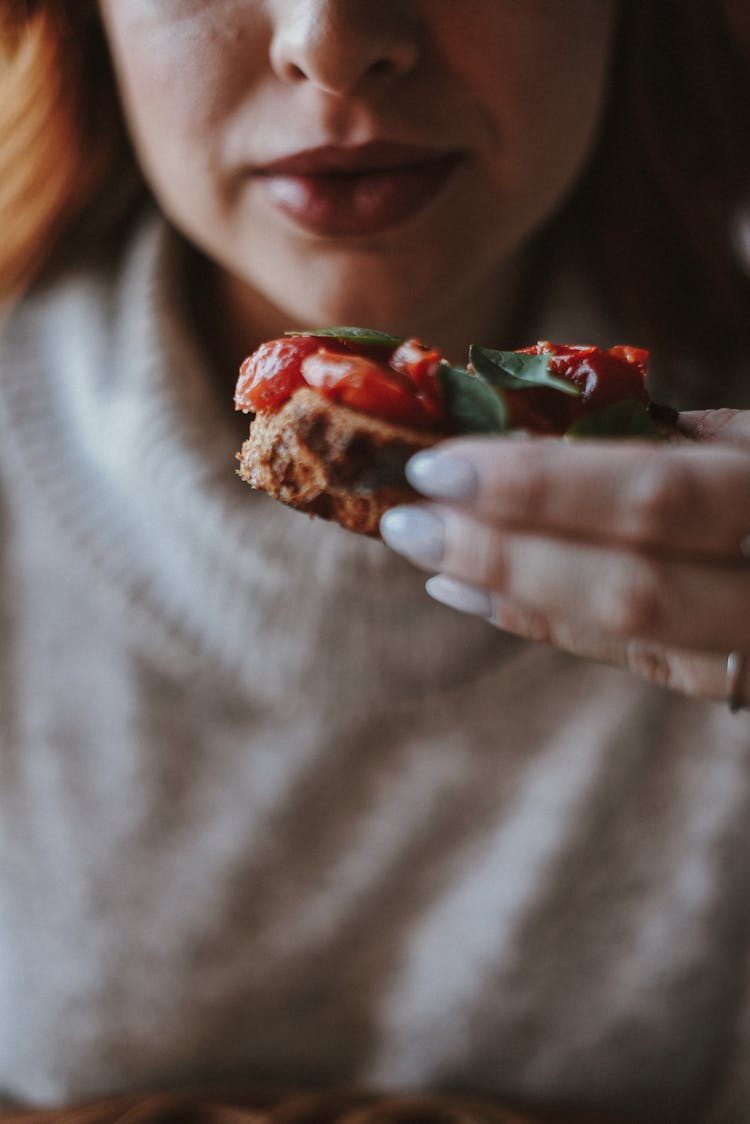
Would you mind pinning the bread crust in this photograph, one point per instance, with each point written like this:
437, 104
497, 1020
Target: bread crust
328, 460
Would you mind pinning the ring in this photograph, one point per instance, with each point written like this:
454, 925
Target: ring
735, 676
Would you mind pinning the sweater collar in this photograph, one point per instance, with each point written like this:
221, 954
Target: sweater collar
116, 423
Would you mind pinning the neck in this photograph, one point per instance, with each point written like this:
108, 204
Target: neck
233, 318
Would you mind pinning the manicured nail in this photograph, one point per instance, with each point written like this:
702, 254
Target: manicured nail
745, 547
458, 595
442, 476
414, 532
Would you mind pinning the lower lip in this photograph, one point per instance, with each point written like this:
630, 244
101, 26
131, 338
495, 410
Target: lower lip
354, 206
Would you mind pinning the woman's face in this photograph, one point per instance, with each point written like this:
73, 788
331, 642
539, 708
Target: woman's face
345, 161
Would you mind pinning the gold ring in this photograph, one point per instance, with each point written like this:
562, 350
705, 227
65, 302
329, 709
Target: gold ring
735, 677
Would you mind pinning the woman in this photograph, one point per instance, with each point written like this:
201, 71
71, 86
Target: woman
269, 813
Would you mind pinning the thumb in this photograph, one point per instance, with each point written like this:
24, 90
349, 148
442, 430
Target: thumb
732, 426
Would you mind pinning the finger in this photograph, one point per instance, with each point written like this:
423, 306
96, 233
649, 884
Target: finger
729, 426
696, 674
674, 499
619, 593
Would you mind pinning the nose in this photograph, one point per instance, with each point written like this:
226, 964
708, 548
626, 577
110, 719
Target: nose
339, 46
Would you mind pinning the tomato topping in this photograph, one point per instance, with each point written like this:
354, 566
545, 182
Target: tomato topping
636, 356
363, 384
418, 363
402, 384
399, 386
602, 376
272, 373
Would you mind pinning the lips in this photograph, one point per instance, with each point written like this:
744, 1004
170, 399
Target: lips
350, 192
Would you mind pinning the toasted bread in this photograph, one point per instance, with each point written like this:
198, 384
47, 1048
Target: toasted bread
339, 412
323, 458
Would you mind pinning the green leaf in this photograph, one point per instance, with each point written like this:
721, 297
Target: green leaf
513, 370
474, 405
369, 337
628, 418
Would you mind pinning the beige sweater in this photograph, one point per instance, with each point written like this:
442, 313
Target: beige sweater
267, 812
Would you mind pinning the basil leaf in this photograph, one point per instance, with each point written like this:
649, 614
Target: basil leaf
513, 370
472, 403
628, 418
369, 337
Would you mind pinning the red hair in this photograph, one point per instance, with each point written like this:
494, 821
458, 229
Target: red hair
65, 164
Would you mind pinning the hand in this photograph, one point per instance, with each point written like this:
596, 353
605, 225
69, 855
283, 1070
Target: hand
636, 553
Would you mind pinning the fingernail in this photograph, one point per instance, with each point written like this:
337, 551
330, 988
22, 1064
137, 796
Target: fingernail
745, 547
458, 595
442, 476
415, 532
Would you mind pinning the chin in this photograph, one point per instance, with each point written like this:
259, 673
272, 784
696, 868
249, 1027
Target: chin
364, 309
372, 294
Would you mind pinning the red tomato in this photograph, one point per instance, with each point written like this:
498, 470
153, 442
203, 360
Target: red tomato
636, 356
417, 362
366, 385
402, 385
272, 373
602, 376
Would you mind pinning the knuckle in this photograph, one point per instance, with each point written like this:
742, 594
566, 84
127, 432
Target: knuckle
529, 490
491, 562
650, 663
662, 496
516, 486
522, 620
692, 675
632, 599
477, 554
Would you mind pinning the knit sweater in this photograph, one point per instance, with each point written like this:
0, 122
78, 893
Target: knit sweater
268, 813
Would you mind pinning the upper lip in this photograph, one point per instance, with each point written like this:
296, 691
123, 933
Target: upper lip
373, 156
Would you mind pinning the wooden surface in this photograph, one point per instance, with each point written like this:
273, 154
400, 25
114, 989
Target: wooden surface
264, 1107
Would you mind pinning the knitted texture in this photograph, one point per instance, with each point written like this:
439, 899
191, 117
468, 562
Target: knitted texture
268, 814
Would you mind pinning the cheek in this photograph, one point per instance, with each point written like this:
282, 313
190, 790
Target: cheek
542, 83
179, 79
577, 62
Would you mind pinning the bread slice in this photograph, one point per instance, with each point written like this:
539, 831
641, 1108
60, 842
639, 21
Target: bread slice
328, 460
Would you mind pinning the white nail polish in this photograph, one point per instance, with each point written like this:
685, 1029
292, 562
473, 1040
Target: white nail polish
458, 595
414, 532
442, 476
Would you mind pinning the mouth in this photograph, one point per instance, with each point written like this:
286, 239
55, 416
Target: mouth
350, 192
